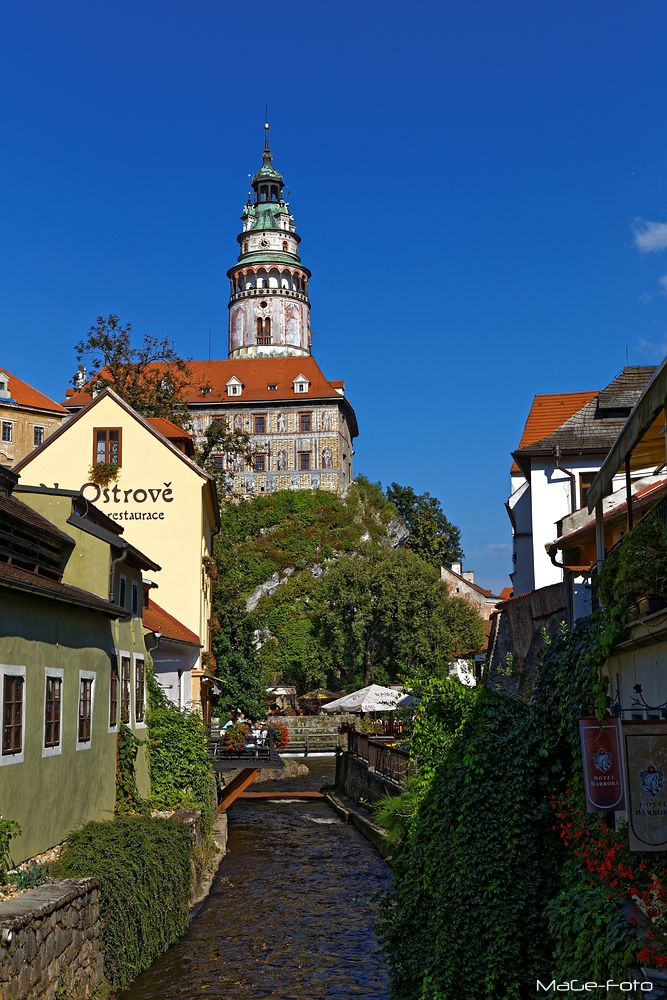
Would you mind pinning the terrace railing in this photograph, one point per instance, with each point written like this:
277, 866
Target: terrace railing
381, 757
255, 754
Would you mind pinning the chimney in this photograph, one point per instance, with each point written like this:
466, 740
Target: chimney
469, 575
456, 568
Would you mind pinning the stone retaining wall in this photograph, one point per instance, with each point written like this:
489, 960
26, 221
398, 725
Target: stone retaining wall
315, 723
50, 937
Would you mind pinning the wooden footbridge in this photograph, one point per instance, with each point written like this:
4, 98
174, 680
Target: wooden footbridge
248, 762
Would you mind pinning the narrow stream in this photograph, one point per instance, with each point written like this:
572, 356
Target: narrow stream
291, 912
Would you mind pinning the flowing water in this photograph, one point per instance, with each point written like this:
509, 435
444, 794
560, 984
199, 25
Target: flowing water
291, 912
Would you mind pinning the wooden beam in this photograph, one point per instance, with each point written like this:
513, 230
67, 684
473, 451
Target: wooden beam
238, 784
628, 491
599, 532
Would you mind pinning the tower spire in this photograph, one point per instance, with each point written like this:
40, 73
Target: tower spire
266, 156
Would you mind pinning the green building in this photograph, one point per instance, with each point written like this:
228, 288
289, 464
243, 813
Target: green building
72, 661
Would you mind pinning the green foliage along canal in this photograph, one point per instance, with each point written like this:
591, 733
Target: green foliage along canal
291, 914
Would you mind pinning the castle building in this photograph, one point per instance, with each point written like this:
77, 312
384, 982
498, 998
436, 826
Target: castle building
300, 424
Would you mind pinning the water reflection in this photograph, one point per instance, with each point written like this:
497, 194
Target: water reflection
290, 916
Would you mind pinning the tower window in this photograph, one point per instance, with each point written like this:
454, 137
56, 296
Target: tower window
284, 244
245, 247
263, 330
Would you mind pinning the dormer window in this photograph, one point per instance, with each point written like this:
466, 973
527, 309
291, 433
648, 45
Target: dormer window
234, 386
301, 384
273, 387
4, 386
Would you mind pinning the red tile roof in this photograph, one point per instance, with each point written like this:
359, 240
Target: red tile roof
547, 414
506, 593
158, 620
170, 430
25, 395
255, 374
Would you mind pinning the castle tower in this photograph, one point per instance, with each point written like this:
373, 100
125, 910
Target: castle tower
269, 309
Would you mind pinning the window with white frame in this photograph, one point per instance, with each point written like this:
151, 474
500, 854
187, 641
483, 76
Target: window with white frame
13, 713
53, 700
7, 431
37, 436
113, 694
139, 690
125, 689
85, 710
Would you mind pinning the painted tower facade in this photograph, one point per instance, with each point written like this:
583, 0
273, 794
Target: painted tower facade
269, 309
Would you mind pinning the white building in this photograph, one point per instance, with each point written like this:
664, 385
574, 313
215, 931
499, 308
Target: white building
564, 443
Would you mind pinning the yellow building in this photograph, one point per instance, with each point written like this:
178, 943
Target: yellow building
27, 418
165, 503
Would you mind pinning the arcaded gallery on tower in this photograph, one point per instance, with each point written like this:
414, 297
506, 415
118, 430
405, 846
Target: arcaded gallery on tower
300, 423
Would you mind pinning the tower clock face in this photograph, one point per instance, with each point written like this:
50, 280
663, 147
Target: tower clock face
264, 243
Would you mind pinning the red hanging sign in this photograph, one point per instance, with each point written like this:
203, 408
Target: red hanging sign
603, 773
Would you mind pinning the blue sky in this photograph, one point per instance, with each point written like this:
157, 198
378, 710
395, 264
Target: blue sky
479, 187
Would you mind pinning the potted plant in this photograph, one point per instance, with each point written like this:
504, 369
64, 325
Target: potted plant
103, 473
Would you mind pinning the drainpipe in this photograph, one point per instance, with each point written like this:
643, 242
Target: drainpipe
572, 478
112, 588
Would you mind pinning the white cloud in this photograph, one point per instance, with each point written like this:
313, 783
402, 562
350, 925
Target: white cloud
663, 283
650, 237
652, 350
498, 548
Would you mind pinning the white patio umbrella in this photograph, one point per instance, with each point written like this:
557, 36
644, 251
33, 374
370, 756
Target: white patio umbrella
373, 698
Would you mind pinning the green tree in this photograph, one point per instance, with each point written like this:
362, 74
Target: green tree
219, 440
152, 377
386, 613
236, 650
432, 536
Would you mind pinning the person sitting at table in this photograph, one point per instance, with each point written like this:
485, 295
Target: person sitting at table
235, 719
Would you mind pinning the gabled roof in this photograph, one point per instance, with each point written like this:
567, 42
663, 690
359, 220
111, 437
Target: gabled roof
109, 393
549, 412
23, 394
469, 583
158, 620
584, 421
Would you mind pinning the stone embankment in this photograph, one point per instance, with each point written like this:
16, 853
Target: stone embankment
50, 937
50, 941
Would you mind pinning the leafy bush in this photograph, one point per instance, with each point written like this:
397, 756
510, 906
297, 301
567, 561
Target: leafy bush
481, 851
8, 830
636, 567
128, 799
178, 761
144, 869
